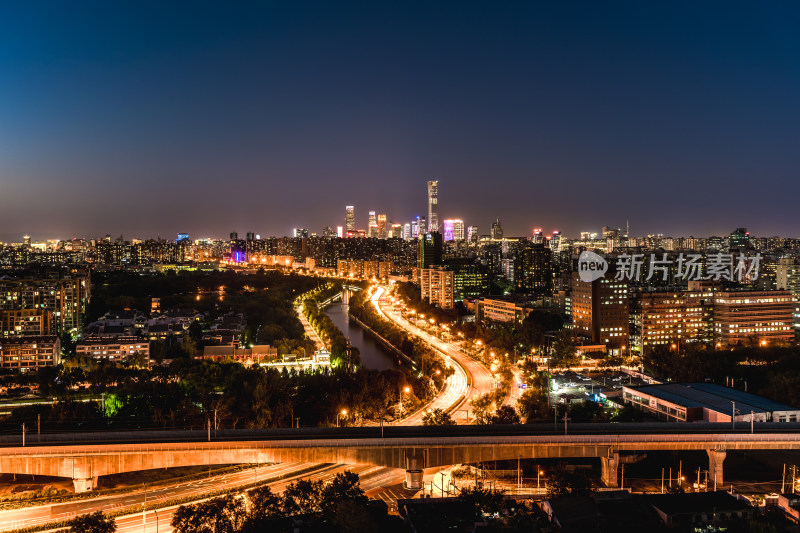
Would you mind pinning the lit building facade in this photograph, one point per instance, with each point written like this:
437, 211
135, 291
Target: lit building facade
436, 285
29, 353
433, 206
350, 220
26, 322
116, 349
600, 311
764, 317
65, 298
672, 318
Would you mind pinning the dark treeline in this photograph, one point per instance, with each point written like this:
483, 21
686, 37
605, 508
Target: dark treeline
771, 371
189, 392
265, 297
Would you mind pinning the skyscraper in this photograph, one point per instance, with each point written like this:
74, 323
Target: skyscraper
430, 250
373, 225
472, 234
423, 227
433, 206
382, 226
555, 242
349, 220
538, 237
497, 230
453, 230
458, 230
448, 230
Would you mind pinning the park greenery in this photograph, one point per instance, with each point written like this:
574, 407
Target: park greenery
185, 392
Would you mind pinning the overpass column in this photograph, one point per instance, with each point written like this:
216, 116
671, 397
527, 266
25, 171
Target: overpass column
609, 470
84, 484
415, 463
715, 460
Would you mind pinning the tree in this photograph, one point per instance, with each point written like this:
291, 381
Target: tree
565, 483
483, 501
437, 417
93, 523
225, 514
481, 408
505, 415
303, 497
565, 352
344, 487
264, 504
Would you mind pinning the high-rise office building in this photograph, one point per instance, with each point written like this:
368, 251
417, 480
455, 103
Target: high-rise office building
600, 311
739, 239
497, 230
382, 226
396, 231
472, 234
372, 230
407, 231
423, 227
448, 230
555, 242
458, 230
537, 236
453, 230
430, 250
415, 228
433, 206
350, 220
533, 270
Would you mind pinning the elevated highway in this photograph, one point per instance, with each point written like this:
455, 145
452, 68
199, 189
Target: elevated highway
85, 456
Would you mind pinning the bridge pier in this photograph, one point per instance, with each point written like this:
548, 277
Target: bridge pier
715, 460
84, 484
609, 468
415, 464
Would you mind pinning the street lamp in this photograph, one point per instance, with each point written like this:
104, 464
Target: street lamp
343, 412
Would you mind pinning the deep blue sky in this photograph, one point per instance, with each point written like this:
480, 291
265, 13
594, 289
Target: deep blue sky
149, 118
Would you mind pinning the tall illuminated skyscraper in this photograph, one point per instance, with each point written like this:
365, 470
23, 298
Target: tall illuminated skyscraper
472, 234
555, 242
373, 225
433, 205
350, 219
382, 226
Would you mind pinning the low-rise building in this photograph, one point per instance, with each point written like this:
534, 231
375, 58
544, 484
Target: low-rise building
259, 353
502, 309
115, 349
706, 402
29, 353
698, 508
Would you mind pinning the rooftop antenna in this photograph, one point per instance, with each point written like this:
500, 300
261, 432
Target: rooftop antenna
627, 229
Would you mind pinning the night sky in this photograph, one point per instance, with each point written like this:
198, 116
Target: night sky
150, 118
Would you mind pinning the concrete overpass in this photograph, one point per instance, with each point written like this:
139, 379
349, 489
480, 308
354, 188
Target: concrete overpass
85, 457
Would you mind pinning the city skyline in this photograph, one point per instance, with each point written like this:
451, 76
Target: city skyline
274, 117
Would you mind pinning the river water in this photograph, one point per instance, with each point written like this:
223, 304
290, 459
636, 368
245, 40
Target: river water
372, 354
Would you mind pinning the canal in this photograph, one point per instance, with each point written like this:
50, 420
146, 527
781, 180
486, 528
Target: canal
372, 354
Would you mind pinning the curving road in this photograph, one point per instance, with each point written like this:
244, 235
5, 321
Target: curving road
471, 379
373, 481
372, 478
